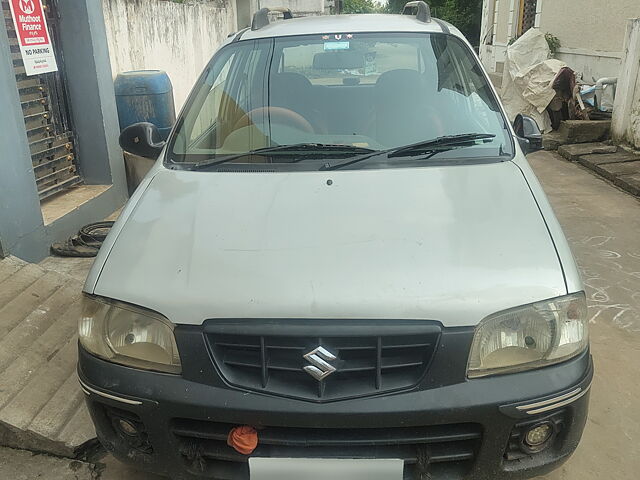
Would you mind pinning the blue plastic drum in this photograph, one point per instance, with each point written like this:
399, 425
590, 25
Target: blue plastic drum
145, 96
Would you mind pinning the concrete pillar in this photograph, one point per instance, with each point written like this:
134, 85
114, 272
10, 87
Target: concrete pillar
625, 125
514, 11
21, 225
486, 27
90, 84
538, 13
496, 9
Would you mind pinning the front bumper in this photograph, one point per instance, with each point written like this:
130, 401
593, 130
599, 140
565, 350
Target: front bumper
465, 430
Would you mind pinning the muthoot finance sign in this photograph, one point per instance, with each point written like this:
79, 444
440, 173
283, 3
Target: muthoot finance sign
33, 36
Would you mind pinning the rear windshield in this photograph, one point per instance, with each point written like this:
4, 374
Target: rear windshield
371, 91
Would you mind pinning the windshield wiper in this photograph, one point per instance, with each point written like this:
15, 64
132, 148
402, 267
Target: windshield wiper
308, 149
433, 146
464, 140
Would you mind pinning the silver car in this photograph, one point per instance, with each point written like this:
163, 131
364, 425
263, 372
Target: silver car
340, 256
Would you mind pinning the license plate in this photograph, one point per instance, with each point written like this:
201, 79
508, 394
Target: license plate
324, 469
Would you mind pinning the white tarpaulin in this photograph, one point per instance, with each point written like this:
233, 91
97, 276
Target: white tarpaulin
527, 79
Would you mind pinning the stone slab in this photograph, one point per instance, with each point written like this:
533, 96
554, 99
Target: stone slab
611, 171
601, 159
621, 168
585, 131
9, 266
26, 301
552, 141
629, 183
12, 286
573, 152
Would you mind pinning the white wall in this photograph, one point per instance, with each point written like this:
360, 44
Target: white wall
591, 32
626, 113
177, 38
588, 24
591, 65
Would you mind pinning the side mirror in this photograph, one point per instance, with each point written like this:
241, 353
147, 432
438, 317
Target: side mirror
142, 139
528, 133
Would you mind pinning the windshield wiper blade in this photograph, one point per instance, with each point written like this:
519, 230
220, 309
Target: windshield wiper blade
308, 148
433, 146
463, 140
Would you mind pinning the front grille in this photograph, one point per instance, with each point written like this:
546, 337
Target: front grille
441, 451
366, 364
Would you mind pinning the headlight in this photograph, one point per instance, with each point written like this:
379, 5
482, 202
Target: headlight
128, 335
529, 337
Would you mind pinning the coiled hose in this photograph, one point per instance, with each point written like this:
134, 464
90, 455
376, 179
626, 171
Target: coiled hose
85, 243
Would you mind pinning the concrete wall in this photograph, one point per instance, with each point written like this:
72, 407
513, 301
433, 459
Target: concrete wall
297, 7
591, 32
626, 118
164, 35
300, 8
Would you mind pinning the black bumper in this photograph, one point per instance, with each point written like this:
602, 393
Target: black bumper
464, 430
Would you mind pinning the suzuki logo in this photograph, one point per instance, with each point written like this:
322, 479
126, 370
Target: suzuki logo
319, 359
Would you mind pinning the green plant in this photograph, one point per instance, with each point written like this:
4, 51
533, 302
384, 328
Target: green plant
359, 6
464, 14
553, 42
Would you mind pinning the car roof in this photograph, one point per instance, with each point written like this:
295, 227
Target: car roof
345, 24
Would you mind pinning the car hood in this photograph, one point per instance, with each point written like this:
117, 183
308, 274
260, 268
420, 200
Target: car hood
447, 243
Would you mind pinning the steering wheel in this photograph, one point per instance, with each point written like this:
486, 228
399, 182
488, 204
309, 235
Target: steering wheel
276, 115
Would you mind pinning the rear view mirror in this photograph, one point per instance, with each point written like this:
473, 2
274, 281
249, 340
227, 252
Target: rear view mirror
338, 60
142, 139
528, 133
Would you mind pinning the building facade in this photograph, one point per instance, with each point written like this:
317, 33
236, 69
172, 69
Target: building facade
591, 32
60, 163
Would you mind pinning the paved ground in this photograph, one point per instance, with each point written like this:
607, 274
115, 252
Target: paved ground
603, 226
23, 465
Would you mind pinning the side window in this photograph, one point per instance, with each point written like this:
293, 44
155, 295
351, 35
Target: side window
249, 91
461, 83
229, 92
206, 118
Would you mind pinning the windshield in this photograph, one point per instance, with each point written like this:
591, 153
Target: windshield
360, 91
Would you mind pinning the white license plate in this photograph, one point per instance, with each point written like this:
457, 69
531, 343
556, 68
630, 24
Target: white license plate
324, 469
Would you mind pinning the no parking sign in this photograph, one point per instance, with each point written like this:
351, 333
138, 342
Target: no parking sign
33, 36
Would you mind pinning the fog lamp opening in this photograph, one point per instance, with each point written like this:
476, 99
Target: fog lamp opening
538, 436
127, 427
